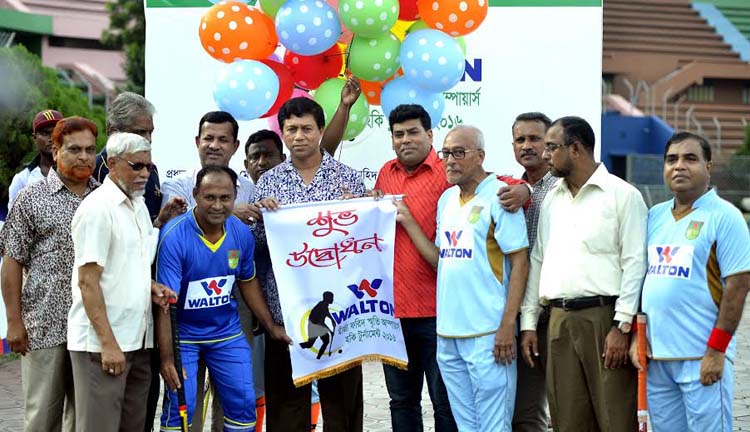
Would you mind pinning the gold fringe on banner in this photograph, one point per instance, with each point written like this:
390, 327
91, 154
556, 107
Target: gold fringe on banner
333, 370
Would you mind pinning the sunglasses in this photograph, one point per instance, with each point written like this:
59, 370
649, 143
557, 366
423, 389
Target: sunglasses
138, 166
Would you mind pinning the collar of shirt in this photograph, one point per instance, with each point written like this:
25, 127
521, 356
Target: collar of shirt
600, 178
707, 197
34, 162
116, 195
55, 184
542, 181
431, 162
326, 163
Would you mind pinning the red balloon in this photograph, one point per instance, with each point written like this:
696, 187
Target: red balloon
408, 10
286, 85
309, 72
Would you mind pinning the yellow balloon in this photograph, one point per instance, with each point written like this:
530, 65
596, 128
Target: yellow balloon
344, 49
399, 29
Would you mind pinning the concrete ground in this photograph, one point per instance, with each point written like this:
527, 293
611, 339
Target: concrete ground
377, 416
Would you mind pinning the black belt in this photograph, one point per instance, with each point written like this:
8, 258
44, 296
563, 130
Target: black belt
582, 302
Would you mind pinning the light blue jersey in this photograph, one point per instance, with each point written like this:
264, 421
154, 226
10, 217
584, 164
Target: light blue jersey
688, 262
472, 276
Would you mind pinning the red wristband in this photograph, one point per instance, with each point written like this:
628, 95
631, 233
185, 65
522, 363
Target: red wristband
719, 339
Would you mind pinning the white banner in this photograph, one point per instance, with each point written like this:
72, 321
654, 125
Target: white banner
333, 263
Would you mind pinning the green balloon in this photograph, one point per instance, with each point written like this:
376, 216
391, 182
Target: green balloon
328, 96
368, 18
374, 59
271, 7
421, 25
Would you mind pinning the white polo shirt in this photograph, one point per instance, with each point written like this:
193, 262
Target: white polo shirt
114, 232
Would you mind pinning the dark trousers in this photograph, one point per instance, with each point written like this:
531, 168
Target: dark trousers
288, 407
530, 413
583, 396
405, 386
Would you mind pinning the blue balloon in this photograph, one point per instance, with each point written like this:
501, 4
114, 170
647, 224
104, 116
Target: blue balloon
307, 27
402, 91
246, 89
432, 60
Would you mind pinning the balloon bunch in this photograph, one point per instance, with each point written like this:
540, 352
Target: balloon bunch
397, 58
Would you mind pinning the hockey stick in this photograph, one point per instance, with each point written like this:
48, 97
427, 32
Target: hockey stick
642, 347
182, 405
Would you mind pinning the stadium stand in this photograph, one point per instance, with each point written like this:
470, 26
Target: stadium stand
665, 59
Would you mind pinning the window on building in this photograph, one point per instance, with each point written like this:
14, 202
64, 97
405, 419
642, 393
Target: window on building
746, 93
701, 93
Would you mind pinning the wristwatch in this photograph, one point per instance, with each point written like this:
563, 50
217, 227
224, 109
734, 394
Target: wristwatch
624, 327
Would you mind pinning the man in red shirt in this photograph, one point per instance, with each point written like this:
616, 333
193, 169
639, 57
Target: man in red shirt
418, 173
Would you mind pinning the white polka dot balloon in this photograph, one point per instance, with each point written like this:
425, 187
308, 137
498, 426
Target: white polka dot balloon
246, 89
307, 27
369, 18
374, 59
432, 60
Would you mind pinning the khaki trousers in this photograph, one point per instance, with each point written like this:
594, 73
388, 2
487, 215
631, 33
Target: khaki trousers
583, 396
107, 403
47, 381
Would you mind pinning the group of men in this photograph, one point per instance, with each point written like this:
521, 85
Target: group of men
563, 253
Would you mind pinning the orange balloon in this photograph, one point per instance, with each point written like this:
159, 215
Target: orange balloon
454, 17
372, 89
233, 30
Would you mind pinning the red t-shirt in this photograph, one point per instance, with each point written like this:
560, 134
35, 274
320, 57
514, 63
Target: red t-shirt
414, 279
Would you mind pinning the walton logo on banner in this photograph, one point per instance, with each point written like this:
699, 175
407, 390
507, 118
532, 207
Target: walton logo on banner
333, 263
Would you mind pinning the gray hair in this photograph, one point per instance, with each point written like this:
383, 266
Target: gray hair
125, 109
478, 135
122, 143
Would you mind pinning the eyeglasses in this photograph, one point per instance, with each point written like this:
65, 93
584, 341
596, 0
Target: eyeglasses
457, 153
138, 166
551, 147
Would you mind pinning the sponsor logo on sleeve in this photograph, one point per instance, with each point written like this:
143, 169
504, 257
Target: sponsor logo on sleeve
209, 292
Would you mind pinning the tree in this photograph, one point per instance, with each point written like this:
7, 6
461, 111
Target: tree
28, 87
127, 32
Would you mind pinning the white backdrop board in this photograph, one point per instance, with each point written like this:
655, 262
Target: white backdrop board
528, 55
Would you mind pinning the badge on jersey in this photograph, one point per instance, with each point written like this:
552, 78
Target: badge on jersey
670, 261
233, 258
209, 292
476, 211
693, 230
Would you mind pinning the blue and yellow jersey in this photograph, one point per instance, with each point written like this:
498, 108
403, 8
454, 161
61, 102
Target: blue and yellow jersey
689, 259
204, 275
472, 277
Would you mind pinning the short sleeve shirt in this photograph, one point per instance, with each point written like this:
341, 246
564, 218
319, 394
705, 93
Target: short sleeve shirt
204, 275
414, 279
37, 235
183, 186
473, 275
115, 232
285, 183
688, 262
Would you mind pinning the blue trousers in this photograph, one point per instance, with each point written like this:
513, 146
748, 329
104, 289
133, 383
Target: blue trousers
231, 370
677, 401
482, 393
405, 386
